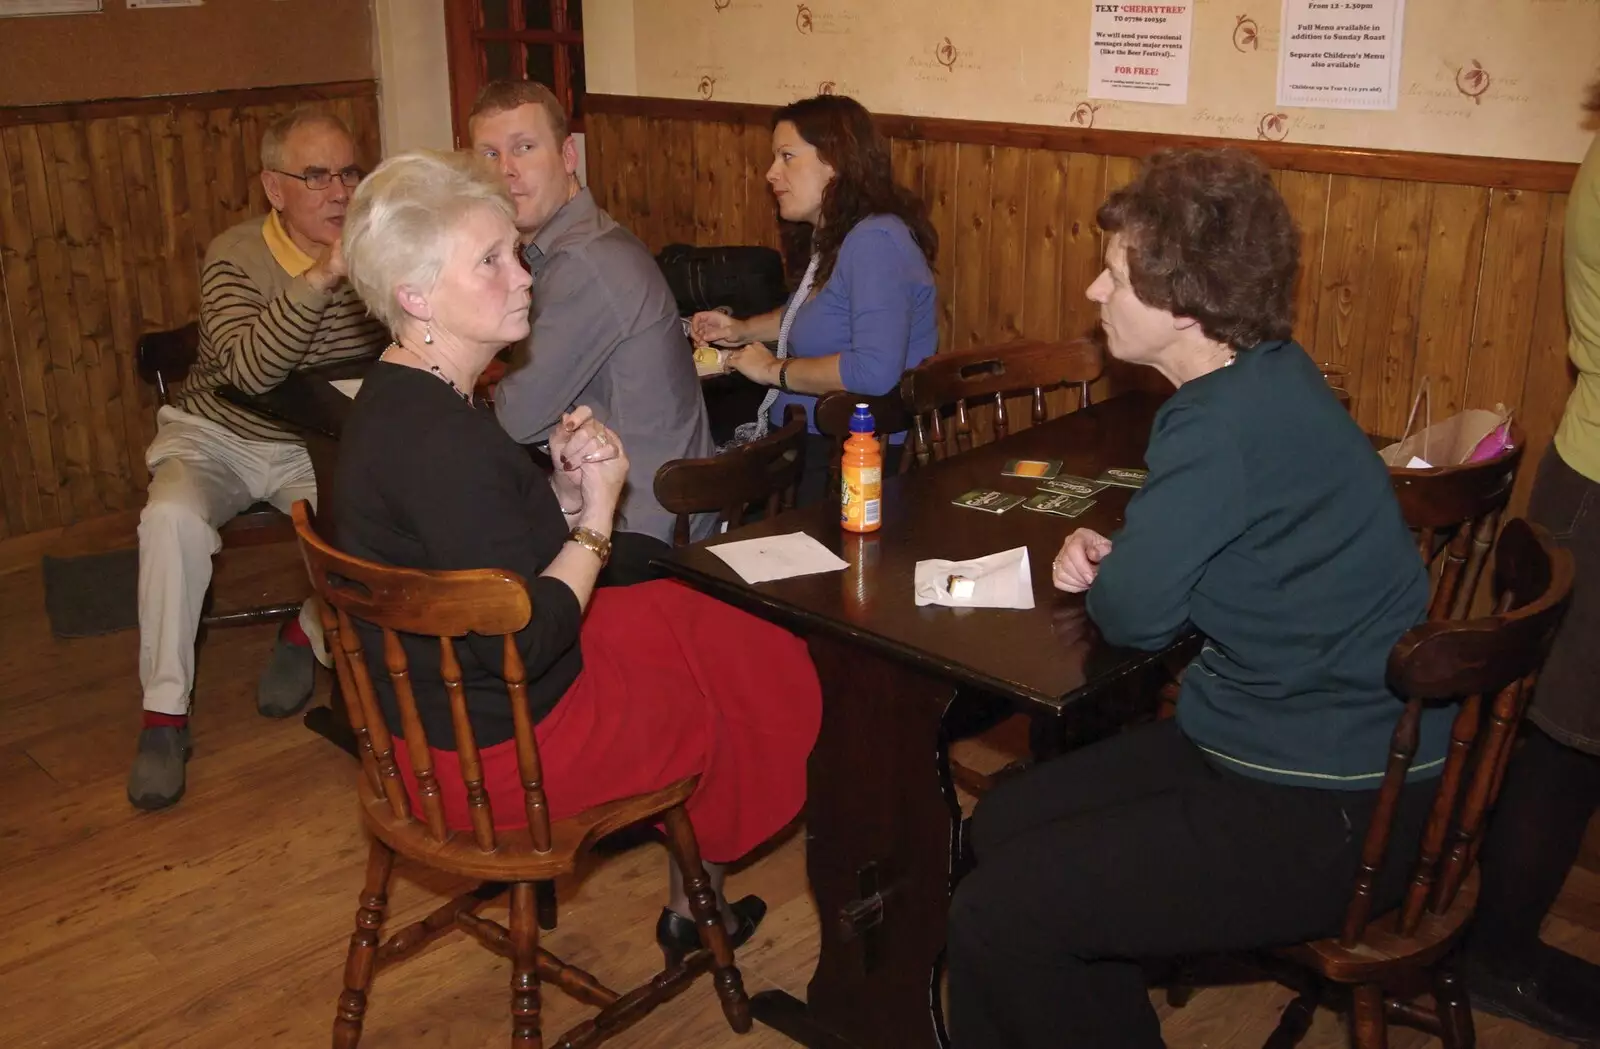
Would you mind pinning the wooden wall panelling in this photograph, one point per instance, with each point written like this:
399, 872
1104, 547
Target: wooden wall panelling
1041, 245
25, 314
707, 224
761, 218
1550, 371
1450, 294
635, 181
1513, 249
941, 160
733, 171
104, 212
1388, 340
969, 254
1008, 210
1346, 272
1307, 196
676, 162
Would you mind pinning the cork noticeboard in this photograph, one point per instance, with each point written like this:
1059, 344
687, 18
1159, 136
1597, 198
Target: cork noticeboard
218, 46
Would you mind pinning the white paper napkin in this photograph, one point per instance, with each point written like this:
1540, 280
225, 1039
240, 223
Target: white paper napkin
348, 387
778, 557
1002, 580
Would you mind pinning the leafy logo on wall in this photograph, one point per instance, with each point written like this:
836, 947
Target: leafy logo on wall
1472, 80
802, 18
1246, 34
721, 5
946, 53
1273, 127
826, 87
1083, 114
707, 86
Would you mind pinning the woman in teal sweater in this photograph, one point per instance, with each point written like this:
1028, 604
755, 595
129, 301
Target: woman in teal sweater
1267, 524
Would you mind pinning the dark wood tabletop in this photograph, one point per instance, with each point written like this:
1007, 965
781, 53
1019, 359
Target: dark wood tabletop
1044, 657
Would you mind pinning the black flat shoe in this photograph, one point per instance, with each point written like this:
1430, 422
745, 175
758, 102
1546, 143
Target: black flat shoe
1541, 1000
678, 936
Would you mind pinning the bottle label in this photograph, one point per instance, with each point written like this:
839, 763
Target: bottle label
860, 497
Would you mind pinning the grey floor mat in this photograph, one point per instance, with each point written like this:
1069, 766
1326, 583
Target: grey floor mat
91, 595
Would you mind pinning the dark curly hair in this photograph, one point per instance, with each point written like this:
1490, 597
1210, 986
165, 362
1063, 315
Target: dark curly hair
862, 186
1209, 237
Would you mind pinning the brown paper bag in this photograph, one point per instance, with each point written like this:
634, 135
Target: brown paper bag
1446, 443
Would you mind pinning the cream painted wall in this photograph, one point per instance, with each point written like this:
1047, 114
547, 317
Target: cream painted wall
1027, 60
413, 75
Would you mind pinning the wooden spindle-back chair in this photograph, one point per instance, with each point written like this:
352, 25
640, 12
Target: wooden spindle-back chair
1454, 511
832, 414
448, 606
947, 382
763, 473
163, 359
1487, 666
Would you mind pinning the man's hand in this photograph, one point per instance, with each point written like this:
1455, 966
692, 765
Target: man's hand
1078, 563
329, 269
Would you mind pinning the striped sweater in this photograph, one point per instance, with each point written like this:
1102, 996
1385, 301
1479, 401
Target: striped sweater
260, 319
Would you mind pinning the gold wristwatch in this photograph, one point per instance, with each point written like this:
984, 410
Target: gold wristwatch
592, 541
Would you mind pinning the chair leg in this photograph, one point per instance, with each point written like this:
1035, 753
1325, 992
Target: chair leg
1454, 1009
1294, 1023
362, 957
703, 905
1369, 1029
524, 968
544, 893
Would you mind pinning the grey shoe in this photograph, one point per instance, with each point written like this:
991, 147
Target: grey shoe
156, 780
287, 682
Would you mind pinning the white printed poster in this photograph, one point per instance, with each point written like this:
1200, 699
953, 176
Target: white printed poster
1340, 54
1140, 52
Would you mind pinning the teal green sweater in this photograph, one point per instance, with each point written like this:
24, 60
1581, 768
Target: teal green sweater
1269, 523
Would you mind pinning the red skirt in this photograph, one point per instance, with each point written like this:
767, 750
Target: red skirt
674, 683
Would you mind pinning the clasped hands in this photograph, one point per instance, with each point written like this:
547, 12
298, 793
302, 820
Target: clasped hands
590, 463
1076, 566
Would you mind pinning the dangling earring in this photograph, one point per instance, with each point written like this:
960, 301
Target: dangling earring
427, 334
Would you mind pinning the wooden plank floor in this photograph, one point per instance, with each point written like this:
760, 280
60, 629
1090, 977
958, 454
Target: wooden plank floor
223, 921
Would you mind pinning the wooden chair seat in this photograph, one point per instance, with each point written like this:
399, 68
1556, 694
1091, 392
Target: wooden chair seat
1383, 947
516, 859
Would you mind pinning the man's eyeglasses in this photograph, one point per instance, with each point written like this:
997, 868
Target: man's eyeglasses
320, 178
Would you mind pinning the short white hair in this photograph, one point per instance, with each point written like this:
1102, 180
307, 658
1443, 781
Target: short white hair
275, 140
401, 220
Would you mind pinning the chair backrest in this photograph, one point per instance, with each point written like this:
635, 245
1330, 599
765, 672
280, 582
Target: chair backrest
950, 380
443, 605
832, 414
164, 358
765, 471
1454, 511
1488, 665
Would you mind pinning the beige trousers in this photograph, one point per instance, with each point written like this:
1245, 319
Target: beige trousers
201, 475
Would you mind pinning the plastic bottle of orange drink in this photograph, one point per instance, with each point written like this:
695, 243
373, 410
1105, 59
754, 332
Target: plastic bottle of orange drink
861, 476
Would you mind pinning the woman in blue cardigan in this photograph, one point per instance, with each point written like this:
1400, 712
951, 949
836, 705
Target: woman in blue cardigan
865, 309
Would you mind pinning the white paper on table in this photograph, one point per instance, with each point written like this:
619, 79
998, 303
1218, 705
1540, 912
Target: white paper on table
348, 387
1003, 580
1418, 463
777, 557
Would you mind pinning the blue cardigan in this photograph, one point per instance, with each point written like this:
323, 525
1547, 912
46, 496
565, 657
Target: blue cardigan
878, 312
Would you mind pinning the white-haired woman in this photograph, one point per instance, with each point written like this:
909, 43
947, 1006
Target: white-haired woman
632, 688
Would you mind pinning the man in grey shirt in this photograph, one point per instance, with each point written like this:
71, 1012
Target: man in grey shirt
605, 331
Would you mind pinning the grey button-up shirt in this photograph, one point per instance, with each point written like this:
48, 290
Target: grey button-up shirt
606, 334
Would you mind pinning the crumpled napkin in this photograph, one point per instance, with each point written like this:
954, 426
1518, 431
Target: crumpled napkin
1002, 580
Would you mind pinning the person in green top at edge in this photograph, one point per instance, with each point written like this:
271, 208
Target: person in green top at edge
1269, 524
1552, 785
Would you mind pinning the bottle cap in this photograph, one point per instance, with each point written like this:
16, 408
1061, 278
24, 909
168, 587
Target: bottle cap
861, 420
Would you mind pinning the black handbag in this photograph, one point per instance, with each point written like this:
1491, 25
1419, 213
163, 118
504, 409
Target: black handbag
742, 279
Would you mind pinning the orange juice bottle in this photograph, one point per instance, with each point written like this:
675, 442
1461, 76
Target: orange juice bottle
861, 476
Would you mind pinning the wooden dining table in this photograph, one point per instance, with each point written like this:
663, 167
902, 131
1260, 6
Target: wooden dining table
883, 823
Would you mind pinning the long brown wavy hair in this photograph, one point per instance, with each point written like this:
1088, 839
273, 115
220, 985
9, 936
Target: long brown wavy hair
862, 186
1591, 102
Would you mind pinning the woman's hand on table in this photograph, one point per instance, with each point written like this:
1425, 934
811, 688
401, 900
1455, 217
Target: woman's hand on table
1076, 566
756, 363
713, 327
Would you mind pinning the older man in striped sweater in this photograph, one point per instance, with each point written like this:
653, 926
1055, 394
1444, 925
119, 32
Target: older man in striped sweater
273, 298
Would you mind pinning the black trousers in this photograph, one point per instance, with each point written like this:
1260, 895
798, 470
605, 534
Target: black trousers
1140, 848
630, 559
